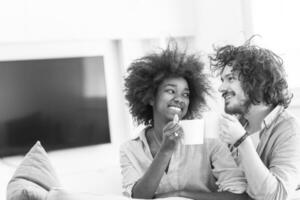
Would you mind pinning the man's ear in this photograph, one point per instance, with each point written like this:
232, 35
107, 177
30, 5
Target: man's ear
151, 102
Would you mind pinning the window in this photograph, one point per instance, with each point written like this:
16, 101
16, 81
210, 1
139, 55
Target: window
277, 21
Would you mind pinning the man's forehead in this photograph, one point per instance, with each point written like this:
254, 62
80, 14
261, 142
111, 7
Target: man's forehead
227, 71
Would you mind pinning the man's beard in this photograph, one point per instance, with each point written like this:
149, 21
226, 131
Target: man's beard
240, 110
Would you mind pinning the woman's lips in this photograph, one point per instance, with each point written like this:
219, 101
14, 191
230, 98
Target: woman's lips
174, 108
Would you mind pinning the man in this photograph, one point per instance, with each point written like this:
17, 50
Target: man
267, 146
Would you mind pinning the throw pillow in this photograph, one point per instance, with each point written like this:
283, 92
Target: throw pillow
34, 177
63, 194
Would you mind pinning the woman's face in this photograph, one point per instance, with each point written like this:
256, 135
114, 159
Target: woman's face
172, 98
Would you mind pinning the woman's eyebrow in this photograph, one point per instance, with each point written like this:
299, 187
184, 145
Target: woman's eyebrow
169, 84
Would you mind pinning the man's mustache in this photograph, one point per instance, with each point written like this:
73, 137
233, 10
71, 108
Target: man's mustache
232, 93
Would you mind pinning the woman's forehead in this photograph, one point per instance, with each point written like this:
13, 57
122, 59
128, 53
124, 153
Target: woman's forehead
174, 81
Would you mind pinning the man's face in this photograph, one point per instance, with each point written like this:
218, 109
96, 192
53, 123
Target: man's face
236, 101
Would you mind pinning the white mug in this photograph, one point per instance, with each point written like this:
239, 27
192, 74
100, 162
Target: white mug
212, 125
192, 131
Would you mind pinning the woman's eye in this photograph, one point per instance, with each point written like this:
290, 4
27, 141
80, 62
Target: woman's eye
170, 91
186, 94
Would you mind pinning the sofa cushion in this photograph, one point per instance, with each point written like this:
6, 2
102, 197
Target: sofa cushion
34, 176
63, 194
296, 195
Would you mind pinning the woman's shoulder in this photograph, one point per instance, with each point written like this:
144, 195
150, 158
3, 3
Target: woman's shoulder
133, 143
130, 143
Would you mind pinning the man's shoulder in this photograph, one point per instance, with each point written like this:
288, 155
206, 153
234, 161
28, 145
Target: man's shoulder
288, 124
288, 120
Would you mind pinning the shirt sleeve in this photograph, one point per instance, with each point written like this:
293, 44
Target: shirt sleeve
229, 176
280, 181
129, 173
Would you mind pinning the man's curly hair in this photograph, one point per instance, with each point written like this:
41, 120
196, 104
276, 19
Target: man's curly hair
147, 73
260, 70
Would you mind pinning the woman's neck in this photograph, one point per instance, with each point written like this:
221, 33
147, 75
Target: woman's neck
158, 133
157, 127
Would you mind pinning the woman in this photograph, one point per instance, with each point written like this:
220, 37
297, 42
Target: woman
156, 164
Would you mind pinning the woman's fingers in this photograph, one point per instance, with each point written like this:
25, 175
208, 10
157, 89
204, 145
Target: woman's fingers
171, 128
173, 131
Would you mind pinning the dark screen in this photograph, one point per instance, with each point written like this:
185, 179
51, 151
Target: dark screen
61, 102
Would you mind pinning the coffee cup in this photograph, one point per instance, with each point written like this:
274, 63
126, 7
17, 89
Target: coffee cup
212, 125
193, 131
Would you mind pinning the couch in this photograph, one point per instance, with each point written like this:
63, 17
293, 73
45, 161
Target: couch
86, 173
92, 169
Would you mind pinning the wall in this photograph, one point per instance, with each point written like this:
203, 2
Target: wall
119, 30
35, 20
220, 22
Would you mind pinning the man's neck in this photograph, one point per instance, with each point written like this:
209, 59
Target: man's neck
255, 116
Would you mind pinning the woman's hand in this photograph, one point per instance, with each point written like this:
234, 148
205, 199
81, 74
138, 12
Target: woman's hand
172, 132
231, 129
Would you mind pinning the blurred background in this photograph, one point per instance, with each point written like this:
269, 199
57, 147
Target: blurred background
65, 58
62, 62
62, 65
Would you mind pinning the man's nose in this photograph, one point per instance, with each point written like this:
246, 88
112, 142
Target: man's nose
221, 87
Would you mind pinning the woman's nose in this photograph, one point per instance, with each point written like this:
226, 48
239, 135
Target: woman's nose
178, 98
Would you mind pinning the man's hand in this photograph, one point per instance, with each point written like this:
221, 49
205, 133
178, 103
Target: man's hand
197, 195
231, 129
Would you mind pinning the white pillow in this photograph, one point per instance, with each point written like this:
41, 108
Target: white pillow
34, 177
63, 194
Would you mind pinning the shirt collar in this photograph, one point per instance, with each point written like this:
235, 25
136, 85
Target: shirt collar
268, 120
143, 139
142, 136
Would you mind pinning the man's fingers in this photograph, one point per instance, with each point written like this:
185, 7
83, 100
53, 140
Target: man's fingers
229, 117
222, 137
225, 138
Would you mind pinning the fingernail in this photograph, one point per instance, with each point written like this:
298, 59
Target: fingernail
175, 119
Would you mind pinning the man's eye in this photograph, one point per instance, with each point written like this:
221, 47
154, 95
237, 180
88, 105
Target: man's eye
231, 78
